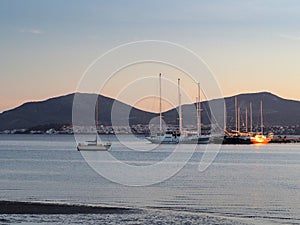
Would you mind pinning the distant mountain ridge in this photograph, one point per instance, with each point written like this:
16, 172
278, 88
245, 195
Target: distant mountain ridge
58, 110
276, 110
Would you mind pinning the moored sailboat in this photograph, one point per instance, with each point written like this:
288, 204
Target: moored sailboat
235, 136
178, 136
94, 145
168, 137
260, 138
198, 138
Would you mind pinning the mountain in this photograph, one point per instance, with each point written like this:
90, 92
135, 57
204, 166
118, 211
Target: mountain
276, 110
58, 110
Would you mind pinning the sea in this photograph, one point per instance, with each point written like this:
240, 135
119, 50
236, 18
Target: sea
244, 184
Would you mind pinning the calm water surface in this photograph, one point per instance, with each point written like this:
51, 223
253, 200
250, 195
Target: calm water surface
244, 184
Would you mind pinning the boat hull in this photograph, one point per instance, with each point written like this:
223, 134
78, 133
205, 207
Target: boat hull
237, 140
203, 140
98, 147
162, 140
180, 140
195, 140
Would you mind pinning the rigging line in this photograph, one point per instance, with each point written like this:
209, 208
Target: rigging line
211, 114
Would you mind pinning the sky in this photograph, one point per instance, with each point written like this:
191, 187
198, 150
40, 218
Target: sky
46, 46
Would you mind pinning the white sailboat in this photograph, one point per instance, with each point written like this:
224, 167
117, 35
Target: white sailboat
169, 137
176, 137
198, 138
94, 145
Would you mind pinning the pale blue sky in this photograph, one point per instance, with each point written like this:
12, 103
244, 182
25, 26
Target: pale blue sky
46, 45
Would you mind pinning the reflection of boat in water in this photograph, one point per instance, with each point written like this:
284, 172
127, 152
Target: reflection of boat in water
94, 145
177, 136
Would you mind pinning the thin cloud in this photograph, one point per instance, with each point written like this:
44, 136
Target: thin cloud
293, 37
31, 31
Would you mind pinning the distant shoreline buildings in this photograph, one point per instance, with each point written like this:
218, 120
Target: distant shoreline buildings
135, 129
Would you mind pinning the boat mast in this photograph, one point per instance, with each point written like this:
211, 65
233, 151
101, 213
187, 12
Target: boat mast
251, 117
261, 118
160, 106
246, 120
198, 107
236, 114
96, 112
179, 106
225, 115
239, 118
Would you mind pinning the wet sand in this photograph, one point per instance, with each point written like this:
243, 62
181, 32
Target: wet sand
14, 207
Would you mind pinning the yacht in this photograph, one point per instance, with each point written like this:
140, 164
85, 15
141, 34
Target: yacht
194, 138
177, 136
93, 146
169, 137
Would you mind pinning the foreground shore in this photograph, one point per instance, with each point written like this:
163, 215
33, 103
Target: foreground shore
15, 207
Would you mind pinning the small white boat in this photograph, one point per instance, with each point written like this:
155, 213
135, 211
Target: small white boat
169, 137
93, 146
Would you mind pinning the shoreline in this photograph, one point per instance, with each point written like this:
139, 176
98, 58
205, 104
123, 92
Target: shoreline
18, 207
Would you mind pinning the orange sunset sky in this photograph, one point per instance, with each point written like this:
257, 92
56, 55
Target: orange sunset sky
46, 46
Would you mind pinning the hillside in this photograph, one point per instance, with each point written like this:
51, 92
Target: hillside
58, 110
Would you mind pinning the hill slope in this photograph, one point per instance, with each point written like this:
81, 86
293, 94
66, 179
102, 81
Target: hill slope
58, 110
